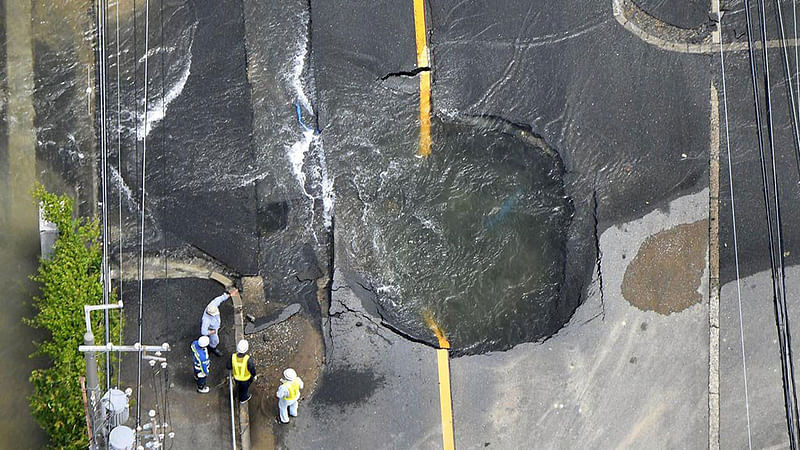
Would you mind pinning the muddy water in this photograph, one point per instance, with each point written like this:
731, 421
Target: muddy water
19, 239
46, 128
666, 273
472, 239
18, 252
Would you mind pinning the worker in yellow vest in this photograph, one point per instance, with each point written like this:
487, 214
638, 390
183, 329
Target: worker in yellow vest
243, 369
288, 394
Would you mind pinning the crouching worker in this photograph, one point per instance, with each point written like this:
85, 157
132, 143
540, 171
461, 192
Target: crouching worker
244, 372
211, 322
288, 394
201, 363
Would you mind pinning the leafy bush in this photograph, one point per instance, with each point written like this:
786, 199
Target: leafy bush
69, 280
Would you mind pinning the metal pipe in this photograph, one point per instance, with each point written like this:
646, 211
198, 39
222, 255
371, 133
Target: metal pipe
233, 420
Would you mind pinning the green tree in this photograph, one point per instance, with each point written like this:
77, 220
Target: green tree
69, 280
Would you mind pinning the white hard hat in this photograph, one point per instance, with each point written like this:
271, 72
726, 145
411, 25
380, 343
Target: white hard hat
242, 346
212, 310
203, 341
289, 374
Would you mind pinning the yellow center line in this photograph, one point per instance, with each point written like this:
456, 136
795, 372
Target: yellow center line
448, 440
423, 60
445, 398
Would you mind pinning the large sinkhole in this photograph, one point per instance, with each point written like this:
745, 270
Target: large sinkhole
471, 239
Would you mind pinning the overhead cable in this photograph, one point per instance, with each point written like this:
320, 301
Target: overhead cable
119, 189
796, 134
103, 137
142, 218
777, 285
735, 236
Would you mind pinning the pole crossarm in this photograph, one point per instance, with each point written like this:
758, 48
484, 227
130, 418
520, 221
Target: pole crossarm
124, 348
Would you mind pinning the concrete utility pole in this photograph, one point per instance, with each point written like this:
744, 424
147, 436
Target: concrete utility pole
92, 381
95, 409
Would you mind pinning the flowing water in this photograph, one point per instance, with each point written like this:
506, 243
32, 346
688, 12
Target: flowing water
472, 239
46, 134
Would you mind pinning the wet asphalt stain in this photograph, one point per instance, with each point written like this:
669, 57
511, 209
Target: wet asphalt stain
347, 386
666, 272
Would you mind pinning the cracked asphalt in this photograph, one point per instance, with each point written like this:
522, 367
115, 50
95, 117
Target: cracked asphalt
614, 376
646, 370
629, 123
389, 398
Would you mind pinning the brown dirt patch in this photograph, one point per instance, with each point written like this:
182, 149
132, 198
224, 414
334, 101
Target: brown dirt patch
296, 343
666, 273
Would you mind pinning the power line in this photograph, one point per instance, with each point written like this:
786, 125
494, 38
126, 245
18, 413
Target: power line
777, 291
163, 141
781, 257
101, 49
167, 416
790, 89
119, 189
142, 218
735, 237
796, 54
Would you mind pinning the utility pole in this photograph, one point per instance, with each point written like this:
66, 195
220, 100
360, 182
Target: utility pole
100, 426
91, 385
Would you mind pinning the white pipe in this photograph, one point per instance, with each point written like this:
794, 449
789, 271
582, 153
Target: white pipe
89, 308
124, 348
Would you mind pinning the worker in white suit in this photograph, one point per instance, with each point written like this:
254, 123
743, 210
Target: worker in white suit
288, 394
212, 321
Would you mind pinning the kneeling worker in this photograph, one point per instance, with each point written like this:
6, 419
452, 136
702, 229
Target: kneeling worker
288, 394
201, 363
243, 370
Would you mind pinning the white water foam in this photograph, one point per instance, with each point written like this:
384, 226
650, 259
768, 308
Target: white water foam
119, 182
296, 80
157, 109
156, 50
298, 150
297, 155
328, 196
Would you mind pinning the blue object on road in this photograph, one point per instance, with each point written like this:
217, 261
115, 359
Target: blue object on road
509, 203
303, 125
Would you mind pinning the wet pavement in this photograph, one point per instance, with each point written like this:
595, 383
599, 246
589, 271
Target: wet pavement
567, 153
531, 68
630, 123
172, 313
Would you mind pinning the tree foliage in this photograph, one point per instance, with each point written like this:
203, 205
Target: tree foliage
69, 280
